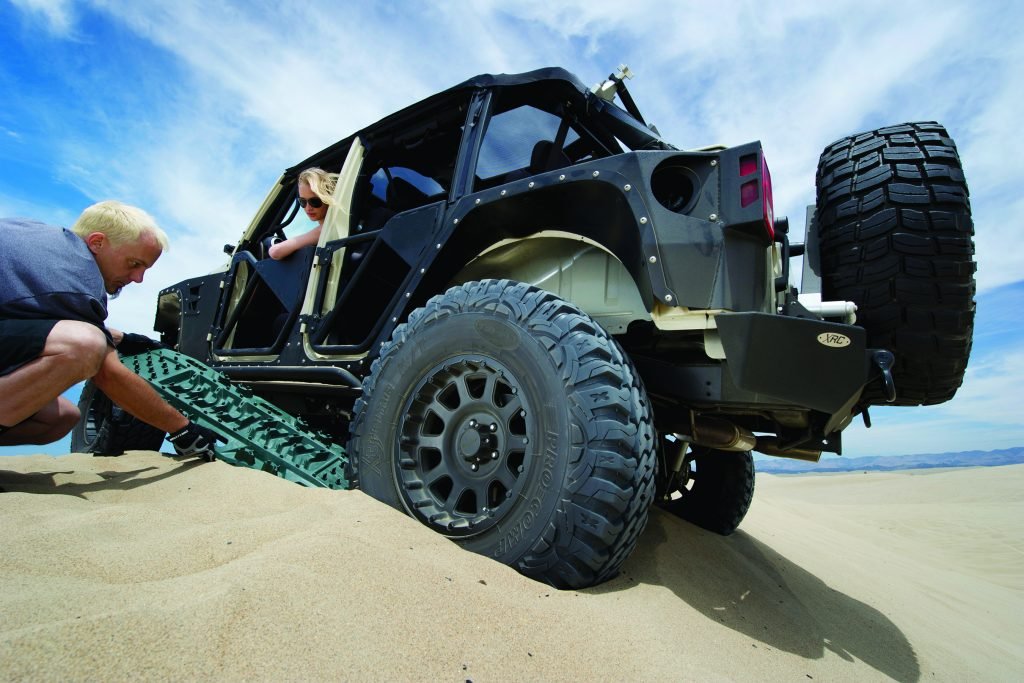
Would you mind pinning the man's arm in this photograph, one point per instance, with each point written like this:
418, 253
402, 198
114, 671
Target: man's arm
136, 396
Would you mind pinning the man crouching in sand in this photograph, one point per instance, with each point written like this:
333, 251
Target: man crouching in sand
54, 284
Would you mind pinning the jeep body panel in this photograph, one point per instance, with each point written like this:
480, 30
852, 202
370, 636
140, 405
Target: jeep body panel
534, 178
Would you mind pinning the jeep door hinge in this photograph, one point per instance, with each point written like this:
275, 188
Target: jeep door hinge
308, 323
321, 255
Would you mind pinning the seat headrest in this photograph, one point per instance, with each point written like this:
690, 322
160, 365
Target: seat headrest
403, 195
547, 157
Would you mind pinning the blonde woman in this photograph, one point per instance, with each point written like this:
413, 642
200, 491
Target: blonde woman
316, 189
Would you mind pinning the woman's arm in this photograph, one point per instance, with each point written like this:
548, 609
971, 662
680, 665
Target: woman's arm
291, 245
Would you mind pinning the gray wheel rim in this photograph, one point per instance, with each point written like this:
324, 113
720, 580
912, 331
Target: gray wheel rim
475, 411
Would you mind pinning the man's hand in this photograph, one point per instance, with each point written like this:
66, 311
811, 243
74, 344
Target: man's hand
132, 344
193, 441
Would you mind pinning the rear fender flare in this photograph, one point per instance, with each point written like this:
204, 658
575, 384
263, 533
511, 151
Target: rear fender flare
576, 269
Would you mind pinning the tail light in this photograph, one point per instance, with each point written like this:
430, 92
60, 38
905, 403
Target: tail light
758, 188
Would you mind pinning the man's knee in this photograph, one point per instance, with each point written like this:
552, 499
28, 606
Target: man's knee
62, 421
80, 343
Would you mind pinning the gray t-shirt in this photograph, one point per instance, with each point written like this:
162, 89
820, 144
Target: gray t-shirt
48, 272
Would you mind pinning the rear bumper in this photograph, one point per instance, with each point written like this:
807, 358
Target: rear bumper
774, 365
811, 363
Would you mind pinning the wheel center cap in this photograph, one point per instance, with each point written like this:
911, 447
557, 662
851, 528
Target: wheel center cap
469, 443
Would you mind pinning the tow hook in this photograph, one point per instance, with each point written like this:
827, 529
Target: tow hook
884, 361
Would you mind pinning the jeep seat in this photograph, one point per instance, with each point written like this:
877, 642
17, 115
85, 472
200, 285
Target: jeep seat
546, 156
403, 195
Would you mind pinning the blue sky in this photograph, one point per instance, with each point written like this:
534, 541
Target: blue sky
192, 109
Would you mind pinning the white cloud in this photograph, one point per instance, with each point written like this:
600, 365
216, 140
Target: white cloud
984, 415
58, 15
991, 392
307, 78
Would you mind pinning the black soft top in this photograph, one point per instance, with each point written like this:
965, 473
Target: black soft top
551, 73
549, 79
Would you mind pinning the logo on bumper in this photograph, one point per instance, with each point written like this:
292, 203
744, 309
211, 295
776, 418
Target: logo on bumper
833, 340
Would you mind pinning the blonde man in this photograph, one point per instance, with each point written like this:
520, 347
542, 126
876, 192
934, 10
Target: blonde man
54, 285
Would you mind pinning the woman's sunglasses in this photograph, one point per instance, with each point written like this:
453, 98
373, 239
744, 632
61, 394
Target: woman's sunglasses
315, 202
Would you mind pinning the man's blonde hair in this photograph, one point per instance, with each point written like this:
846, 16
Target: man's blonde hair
121, 223
320, 182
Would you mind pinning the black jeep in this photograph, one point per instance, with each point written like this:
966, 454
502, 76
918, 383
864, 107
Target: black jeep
529, 317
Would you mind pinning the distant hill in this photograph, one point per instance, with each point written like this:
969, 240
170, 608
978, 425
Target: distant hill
1008, 456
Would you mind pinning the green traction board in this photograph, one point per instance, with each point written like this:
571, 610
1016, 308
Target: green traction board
259, 434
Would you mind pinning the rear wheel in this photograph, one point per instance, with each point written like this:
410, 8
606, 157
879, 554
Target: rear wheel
896, 239
105, 429
714, 490
507, 420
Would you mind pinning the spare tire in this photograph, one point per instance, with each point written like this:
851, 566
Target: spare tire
896, 238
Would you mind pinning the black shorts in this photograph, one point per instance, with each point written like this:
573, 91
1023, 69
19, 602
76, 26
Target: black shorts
22, 341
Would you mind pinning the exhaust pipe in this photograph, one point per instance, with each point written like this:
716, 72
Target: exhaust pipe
769, 445
725, 436
722, 435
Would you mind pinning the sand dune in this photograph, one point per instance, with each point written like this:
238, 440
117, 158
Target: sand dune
144, 567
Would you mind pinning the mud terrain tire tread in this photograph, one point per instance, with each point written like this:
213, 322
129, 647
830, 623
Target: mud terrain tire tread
723, 489
599, 500
896, 239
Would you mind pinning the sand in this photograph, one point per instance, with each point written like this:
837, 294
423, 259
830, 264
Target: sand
143, 567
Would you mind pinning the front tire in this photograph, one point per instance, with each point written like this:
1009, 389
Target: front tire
106, 429
507, 420
896, 239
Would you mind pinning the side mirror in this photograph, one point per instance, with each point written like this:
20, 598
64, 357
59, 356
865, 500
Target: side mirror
229, 249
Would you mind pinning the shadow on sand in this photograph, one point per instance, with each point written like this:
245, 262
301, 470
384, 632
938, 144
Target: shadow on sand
745, 585
112, 480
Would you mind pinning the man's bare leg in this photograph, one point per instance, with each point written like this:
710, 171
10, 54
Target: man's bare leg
50, 424
73, 353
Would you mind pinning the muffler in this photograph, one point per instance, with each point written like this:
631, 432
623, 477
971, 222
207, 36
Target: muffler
722, 435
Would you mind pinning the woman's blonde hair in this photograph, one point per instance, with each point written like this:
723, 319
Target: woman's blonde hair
121, 223
320, 182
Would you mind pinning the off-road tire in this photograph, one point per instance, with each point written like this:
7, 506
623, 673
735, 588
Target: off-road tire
719, 487
895, 228
105, 429
560, 486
